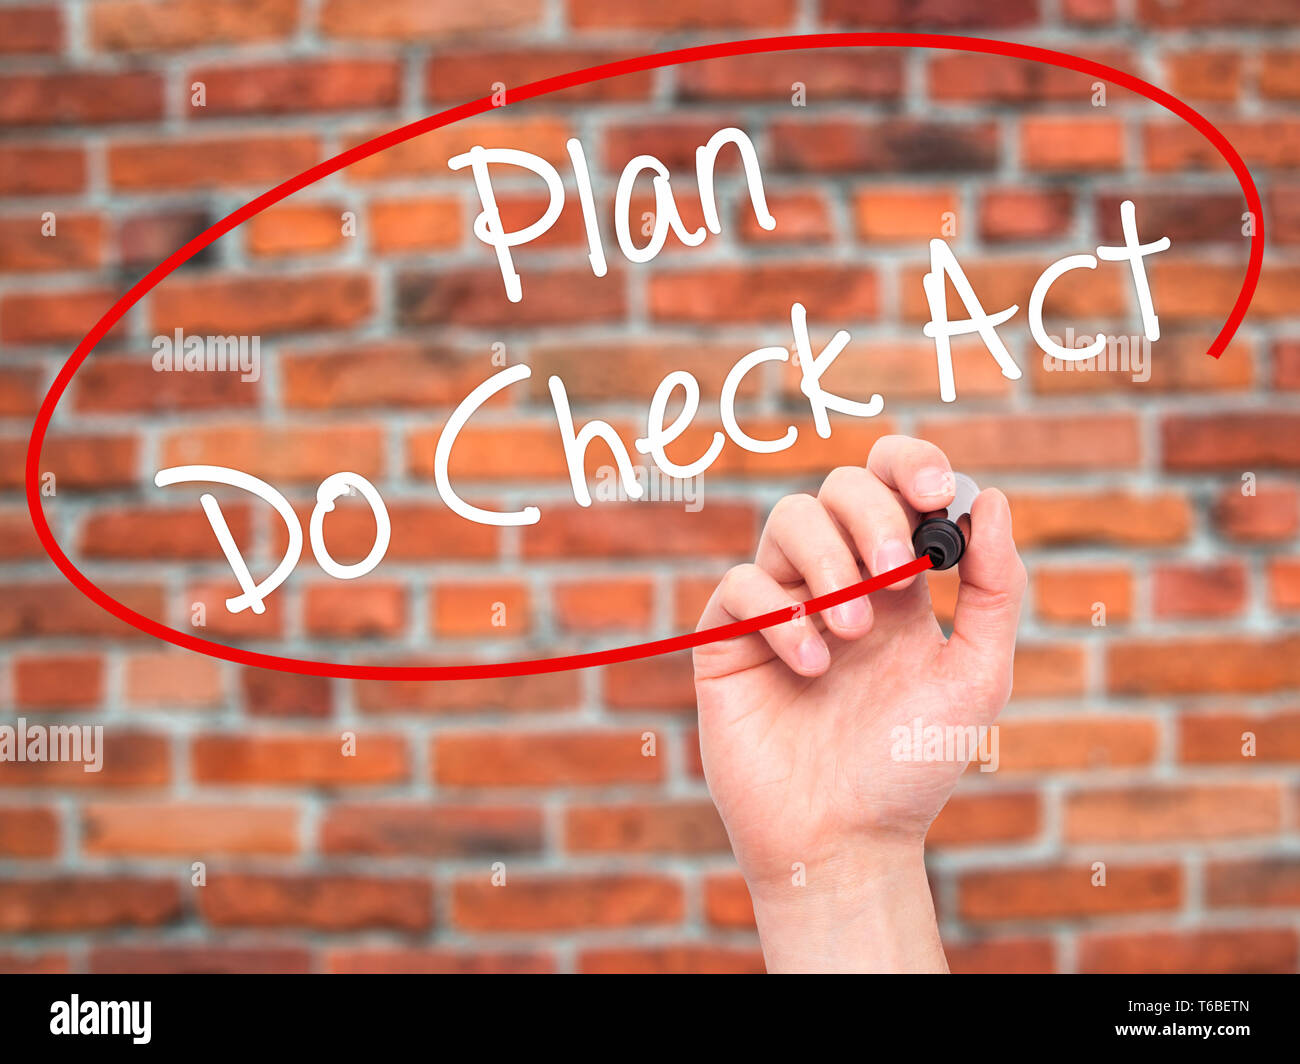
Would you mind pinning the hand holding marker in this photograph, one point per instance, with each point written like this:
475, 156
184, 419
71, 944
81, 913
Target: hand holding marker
940, 533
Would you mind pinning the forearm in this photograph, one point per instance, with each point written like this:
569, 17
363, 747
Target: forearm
868, 913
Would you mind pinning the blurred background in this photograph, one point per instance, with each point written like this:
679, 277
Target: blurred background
248, 820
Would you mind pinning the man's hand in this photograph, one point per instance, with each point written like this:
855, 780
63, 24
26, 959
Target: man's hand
796, 720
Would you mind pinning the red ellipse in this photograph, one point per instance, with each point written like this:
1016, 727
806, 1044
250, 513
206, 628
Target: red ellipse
528, 92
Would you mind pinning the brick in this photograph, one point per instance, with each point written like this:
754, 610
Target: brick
1090, 741
41, 169
801, 218
298, 759
975, 819
173, 680
727, 903
947, 14
826, 74
547, 691
1184, 217
1198, 13
58, 681
279, 454
209, 162
29, 831
1286, 365
1009, 213
1099, 518
1284, 584
354, 610
1221, 738
1204, 292
428, 153
476, 297
80, 98
31, 29
145, 238
411, 20
664, 683
884, 215
129, 759
286, 694
155, 533
470, 73
644, 531
1200, 666
1242, 949
1068, 595
1164, 813
684, 959
77, 243
1276, 73
255, 306
188, 830
500, 609
108, 384
1066, 891
168, 959
1178, 364
407, 829
971, 77
417, 961
58, 317
21, 391
28, 962
1230, 441
83, 903
289, 228
542, 759
60, 609
1262, 882
603, 605
1017, 956
678, 827
1047, 670
318, 902
1263, 143
1071, 144
96, 462
534, 903
423, 224
1038, 442
146, 26
18, 536
681, 15
1200, 590
764, 293
297, 87
882, 146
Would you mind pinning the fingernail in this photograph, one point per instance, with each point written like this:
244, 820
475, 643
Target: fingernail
934, 483
852, 614
813, 655
891, 555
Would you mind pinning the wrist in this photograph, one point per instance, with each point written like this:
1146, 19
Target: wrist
866, 909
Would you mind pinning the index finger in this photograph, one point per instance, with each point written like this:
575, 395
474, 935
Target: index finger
916, 469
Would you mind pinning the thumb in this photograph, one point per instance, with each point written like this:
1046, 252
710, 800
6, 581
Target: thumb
987, 614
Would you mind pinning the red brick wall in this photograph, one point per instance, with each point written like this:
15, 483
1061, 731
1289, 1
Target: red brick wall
1122, 742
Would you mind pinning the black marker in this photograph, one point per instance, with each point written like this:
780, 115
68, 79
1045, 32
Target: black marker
939, 535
